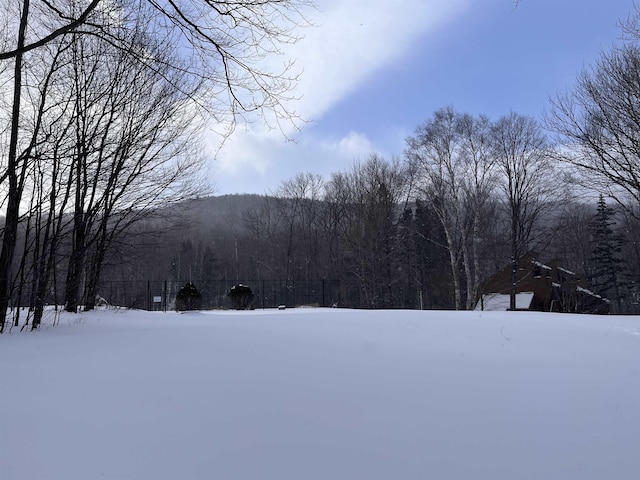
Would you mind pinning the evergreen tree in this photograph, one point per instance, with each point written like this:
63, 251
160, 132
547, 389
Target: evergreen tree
409, 282
608, 272
433, 270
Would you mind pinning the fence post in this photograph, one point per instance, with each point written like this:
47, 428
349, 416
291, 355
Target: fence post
164, 297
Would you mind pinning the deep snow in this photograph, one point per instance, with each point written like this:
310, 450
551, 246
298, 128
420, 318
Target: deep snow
323, 394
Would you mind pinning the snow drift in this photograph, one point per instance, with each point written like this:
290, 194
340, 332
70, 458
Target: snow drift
322, 394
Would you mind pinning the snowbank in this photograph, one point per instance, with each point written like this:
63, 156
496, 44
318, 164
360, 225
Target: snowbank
322, 394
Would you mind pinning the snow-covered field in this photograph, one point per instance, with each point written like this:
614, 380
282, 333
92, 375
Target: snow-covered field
322, 394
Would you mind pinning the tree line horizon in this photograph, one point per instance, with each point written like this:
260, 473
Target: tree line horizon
384, 249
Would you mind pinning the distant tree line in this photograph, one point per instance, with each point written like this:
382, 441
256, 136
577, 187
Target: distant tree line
468, 196
421, 232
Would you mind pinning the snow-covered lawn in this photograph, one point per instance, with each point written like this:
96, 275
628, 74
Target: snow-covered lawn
322, 394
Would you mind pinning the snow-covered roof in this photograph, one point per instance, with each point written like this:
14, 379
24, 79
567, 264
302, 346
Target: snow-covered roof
541, 265
592, 294
568, 272
495, 302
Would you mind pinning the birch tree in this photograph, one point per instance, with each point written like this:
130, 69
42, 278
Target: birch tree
479, 185
452, 156
434, 152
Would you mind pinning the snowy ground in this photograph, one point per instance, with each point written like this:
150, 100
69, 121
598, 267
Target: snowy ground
322, 394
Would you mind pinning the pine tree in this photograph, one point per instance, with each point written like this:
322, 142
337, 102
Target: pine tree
608, 272
433, 268
409, 283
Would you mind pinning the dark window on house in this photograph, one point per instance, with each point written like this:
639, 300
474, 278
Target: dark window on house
537, 271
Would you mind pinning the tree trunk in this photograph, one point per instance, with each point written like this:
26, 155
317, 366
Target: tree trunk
95, 269
455, 273
15, 190
76, 262
514, 263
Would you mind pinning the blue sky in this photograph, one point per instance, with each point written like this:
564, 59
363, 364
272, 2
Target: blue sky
373, 70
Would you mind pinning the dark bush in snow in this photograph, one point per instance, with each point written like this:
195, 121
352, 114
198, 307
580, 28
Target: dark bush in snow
241, 297
188, 298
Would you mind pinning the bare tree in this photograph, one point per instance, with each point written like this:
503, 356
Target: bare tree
452, 156
133, 150
433, 152
60, 20
375, 194
14, 173
599, 119
297, 203
220, 42
264, 226
571, 240
217, 45
522, 156
479, 184
333, 217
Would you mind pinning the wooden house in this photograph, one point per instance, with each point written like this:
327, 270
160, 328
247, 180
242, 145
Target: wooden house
551, 288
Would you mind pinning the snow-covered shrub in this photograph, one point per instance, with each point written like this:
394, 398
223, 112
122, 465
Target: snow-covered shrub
241, 297
188, 298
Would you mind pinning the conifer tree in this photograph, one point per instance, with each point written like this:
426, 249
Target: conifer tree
608, 275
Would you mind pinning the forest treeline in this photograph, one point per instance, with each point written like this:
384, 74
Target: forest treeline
386, 242
100, 178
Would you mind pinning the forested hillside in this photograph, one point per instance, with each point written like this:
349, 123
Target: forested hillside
375, 248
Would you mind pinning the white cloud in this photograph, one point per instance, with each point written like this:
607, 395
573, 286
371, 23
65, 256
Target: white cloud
254, 163
354, 145
354, 38
244, 150
351, 40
